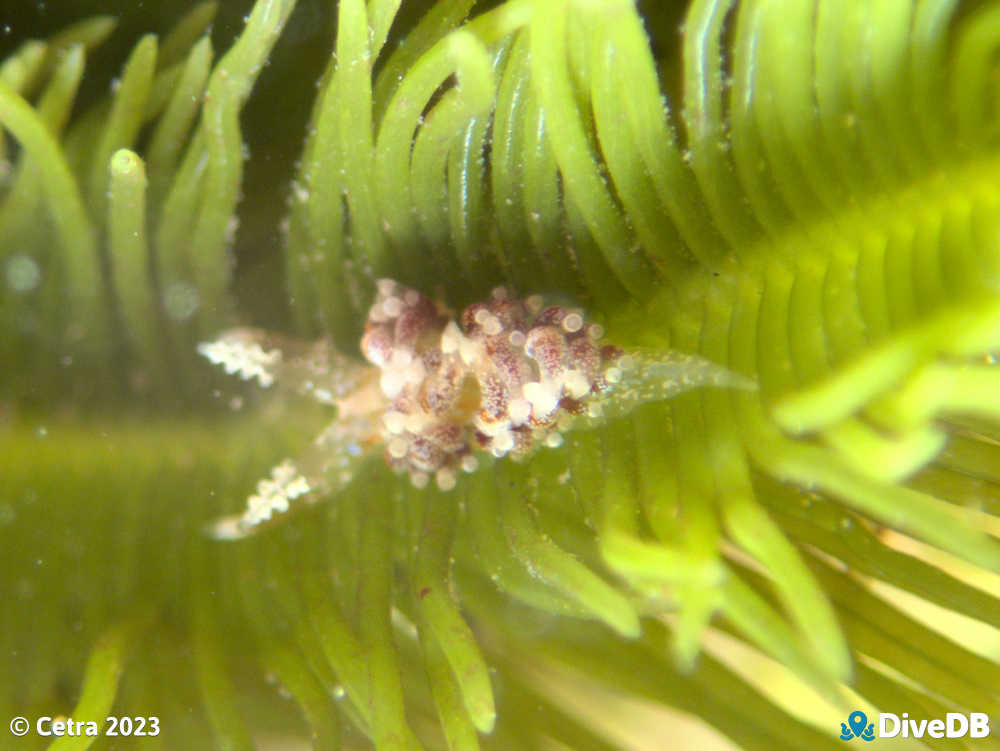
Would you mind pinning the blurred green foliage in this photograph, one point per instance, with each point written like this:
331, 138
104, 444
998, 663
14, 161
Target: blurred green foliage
805, 192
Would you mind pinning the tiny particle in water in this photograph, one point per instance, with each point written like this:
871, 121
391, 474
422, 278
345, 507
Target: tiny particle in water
23, 273
180, 299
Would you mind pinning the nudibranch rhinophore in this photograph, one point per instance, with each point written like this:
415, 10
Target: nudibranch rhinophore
508, 377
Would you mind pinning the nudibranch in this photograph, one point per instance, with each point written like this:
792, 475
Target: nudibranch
505, 378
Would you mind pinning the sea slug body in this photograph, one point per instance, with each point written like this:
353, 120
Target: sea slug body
507, 376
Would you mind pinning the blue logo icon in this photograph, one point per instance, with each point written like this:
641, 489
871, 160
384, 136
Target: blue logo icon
859, 727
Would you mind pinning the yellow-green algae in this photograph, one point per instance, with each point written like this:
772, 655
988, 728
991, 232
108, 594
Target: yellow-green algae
813, 203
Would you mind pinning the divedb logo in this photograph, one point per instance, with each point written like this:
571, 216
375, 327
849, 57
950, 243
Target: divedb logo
954, 725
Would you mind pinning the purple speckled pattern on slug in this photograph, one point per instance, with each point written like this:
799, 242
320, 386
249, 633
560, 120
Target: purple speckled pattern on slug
506, 377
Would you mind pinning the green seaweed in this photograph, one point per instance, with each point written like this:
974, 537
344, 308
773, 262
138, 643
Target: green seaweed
803, 192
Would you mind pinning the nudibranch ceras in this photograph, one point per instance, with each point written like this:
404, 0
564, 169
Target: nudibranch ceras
508, 377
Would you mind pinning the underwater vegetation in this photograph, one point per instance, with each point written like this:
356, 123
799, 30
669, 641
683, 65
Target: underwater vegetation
803, 192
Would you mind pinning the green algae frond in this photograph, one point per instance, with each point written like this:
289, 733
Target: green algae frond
804, 192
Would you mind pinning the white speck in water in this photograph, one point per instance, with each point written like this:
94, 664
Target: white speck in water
231, 226
180, 300
22, 273
300, 192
